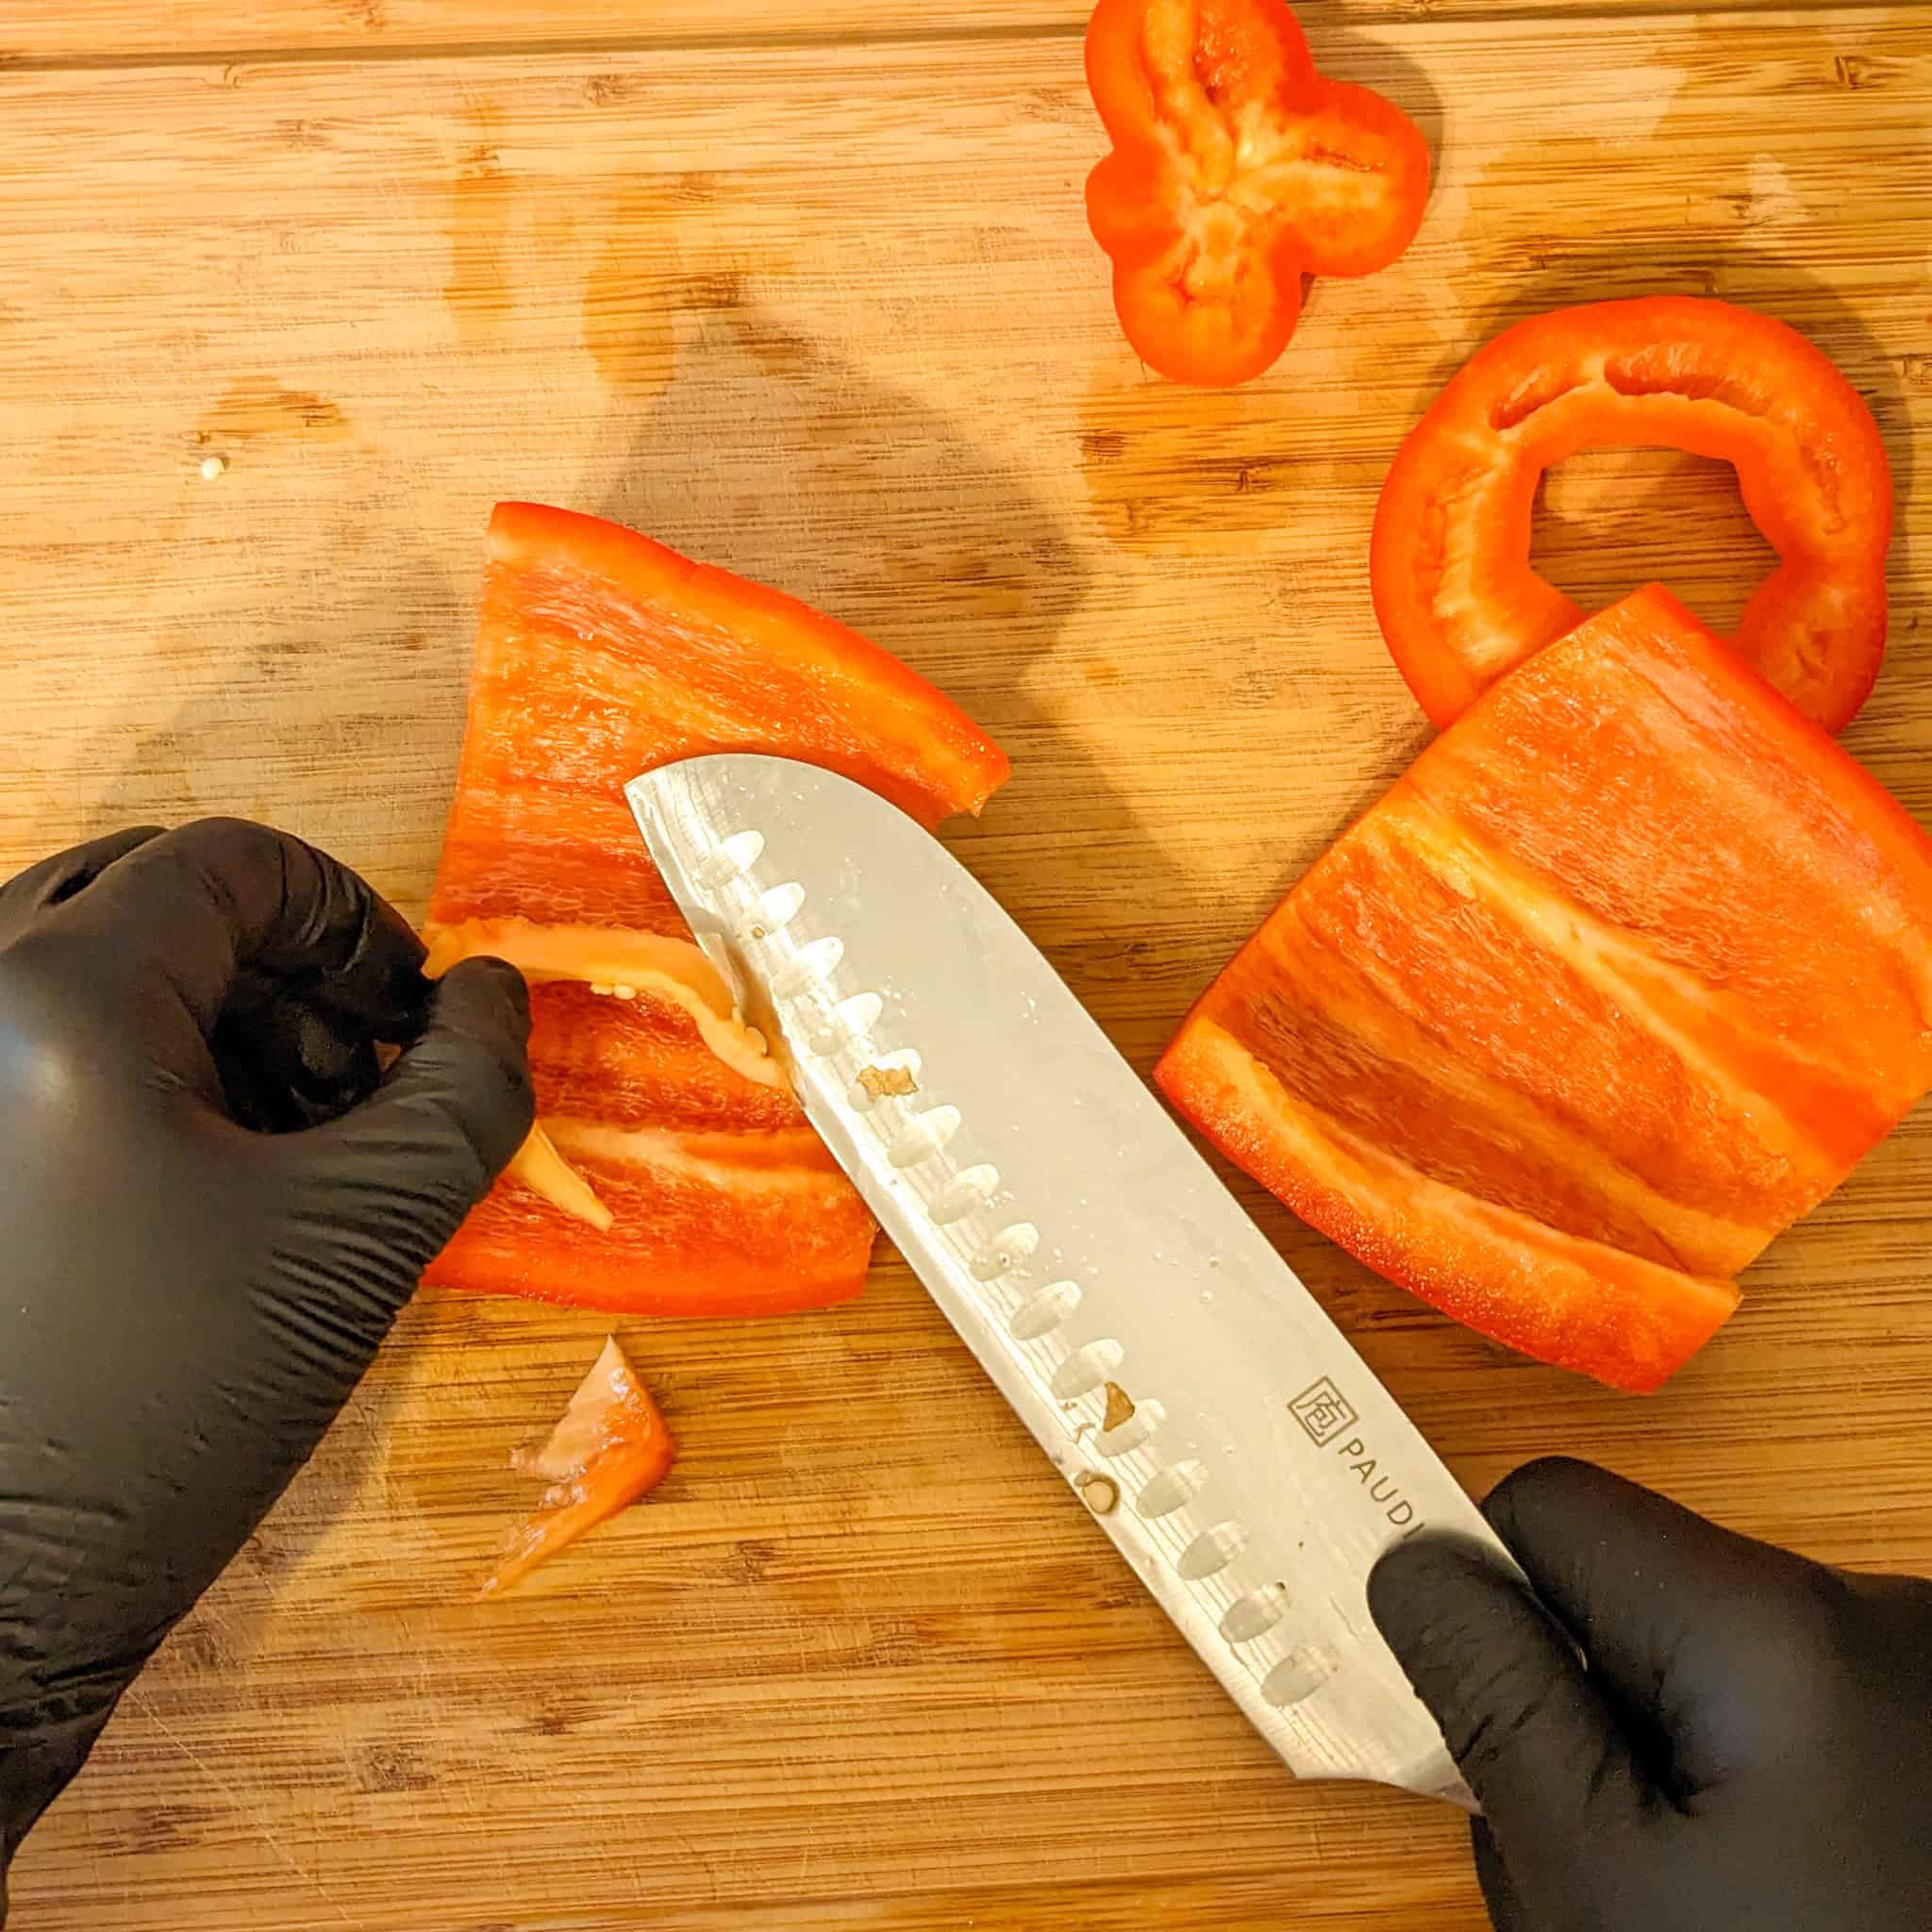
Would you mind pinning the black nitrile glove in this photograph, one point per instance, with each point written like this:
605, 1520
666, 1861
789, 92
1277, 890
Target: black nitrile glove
212, 1205
1750, 1749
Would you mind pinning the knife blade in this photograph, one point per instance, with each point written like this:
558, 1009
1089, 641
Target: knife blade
1208, 1414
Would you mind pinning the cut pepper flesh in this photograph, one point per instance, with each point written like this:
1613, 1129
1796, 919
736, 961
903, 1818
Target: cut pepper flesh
1236, 168
1457, 598
1620, 979
610, 1448
617, 965
540, 1166
600, 655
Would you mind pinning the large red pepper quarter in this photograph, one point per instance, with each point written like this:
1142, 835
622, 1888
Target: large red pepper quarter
600, 655
1619, 980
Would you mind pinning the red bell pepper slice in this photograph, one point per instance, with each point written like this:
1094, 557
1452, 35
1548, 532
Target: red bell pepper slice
1449, 565
1620, 978
600, 655
610, 1448
1236, 170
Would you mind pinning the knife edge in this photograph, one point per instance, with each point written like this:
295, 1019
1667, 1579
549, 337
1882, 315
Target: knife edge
734, 836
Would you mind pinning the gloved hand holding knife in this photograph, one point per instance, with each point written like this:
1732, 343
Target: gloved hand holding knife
1694, 1733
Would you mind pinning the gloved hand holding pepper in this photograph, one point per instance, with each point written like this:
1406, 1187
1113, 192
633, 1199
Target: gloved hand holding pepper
212, 1205
1744, 1745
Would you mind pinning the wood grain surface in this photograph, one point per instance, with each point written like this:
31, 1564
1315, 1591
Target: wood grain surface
823, 310
110, 31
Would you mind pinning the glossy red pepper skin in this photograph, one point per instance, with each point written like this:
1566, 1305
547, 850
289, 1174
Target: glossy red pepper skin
1236, 170
1621, 978
1458, 600
600, 655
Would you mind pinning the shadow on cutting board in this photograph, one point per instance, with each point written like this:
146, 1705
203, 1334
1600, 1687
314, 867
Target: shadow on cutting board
772, 455
240, 697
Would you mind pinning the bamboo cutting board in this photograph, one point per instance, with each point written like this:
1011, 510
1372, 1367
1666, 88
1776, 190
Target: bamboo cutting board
816, 302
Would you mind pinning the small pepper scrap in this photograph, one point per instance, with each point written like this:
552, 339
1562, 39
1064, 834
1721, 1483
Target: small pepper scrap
1236, 169
1622, 976
610, 1448
1449, 565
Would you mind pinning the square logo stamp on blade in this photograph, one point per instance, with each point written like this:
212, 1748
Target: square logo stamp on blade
1323, 1412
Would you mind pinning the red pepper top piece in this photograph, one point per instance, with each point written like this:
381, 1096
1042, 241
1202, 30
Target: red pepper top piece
1236, 169
1458, 602
1621, 978
600, 655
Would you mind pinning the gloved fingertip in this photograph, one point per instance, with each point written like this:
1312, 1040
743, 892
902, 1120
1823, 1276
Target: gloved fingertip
477, 1043
1553, 1488
63, 876
492, 993
1516, 1709
1413, 1584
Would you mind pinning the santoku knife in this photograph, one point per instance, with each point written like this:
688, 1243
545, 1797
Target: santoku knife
1204, 1409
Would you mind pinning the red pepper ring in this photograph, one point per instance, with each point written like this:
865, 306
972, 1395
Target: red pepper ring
1457, 601
1236, 170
